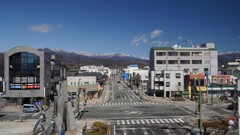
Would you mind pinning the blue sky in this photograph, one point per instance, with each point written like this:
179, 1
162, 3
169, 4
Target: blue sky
119, 26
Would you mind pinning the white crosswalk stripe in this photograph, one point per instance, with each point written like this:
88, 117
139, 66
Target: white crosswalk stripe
149, 121
127, 103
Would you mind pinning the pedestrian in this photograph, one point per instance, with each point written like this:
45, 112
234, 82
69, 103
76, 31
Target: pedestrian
62, 129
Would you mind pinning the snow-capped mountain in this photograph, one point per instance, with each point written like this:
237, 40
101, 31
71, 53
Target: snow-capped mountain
83, 58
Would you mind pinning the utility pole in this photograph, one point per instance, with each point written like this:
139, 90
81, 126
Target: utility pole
20, 97
199, 106
78, 104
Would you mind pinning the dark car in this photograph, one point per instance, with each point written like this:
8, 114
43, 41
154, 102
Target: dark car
232, 106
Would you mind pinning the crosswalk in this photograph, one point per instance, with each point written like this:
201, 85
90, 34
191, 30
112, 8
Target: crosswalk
150, 121
128, 103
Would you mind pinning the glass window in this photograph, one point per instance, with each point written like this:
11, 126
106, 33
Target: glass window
161, 61
167, 75
184, 53
195, 70
172, 53
196, 61
186, 70
178, 75
184, 61
173, 62
179, 83
24, 73
167, 84
161, 53
196, 53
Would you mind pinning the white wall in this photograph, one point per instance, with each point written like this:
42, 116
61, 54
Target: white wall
74, 80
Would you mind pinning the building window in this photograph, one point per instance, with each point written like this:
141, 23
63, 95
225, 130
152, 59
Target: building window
226, 81
184, 53
172, 53
24, 73
173, 62
159, 75
179, 83
195, 70
167, 75
178, 75
184, 61
221, 80
161, 61
196, 61
167, 84
161, 53
196, 53
186, 70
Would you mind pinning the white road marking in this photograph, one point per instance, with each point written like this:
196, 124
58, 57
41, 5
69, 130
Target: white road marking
161, 120
152, 121
157, 121
171, 120
167, 120
142, 121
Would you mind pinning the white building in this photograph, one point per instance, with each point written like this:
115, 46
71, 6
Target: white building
76, 82
79, 80
130, 69
99, 69
144, 75
166, 83
177, 59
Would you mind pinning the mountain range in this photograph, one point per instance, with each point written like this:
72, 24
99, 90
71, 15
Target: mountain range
113, 60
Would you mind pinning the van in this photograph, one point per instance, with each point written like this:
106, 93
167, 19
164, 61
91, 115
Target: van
29, 108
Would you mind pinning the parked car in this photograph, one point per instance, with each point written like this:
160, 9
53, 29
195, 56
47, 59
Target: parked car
1, 95
29, 108
232, 106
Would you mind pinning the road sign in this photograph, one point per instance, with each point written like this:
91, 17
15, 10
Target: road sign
125, 76
37, 103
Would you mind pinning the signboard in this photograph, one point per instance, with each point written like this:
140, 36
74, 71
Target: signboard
125, 76
236, 72
37, 103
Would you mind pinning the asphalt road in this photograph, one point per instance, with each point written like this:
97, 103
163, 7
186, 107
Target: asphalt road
130, 115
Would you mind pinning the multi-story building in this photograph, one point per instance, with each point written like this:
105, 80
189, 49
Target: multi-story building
190, 60
27, 73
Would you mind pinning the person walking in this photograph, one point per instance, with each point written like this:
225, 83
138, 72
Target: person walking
63, 129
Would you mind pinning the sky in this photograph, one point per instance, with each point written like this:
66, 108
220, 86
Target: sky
119, 26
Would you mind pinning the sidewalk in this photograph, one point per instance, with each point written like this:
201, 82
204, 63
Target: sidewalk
16, 127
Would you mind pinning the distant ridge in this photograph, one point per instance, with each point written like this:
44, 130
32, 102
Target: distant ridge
113, 60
